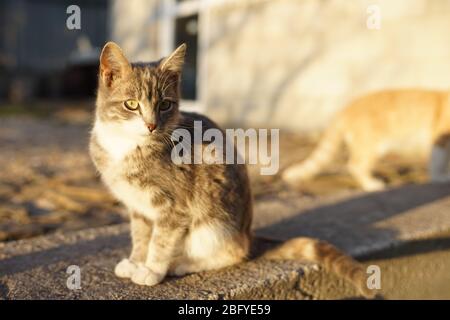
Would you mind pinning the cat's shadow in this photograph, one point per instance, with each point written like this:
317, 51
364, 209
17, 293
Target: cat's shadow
360, 223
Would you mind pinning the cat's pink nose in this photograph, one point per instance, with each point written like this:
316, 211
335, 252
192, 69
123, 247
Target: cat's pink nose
151, 126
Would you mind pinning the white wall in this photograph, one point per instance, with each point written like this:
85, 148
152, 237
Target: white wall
134, 26
293, 64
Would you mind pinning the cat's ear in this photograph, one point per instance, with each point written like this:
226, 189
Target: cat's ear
113, 64
175, 61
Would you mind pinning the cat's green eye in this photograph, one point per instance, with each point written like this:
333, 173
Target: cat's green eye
165, 105
131, 104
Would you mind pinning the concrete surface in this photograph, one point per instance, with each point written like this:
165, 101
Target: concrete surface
36, 269
361, 224
417, 269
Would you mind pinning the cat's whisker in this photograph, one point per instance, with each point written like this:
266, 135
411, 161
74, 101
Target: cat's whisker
168, 138
167, 141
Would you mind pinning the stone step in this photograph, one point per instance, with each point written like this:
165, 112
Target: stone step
358, 223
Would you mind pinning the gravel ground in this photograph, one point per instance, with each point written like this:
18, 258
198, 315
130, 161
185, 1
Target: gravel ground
48, 183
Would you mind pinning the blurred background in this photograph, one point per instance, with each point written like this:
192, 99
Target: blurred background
278, 63
285, 64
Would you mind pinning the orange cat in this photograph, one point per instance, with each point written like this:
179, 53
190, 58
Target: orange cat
411, 122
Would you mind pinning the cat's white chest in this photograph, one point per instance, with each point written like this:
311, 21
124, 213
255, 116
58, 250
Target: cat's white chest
119, 140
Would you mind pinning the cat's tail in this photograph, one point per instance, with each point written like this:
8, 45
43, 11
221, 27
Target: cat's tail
326, 255
321, 156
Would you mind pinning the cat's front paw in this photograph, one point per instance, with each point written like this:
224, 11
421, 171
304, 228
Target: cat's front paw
125, 268
145, 276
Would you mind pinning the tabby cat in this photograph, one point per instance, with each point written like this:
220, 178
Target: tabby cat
185, 218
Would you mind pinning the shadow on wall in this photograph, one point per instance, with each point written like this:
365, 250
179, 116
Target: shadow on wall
292, 64
260, 74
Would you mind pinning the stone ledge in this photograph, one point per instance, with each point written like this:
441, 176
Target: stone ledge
36, 269
359, 223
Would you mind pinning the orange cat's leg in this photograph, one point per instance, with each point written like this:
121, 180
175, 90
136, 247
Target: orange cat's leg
439, 160
360, 167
